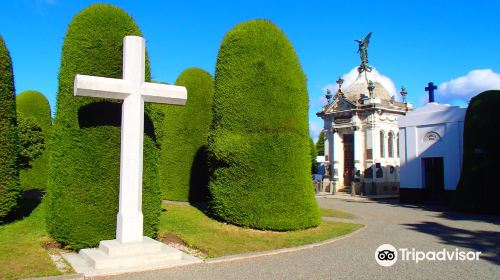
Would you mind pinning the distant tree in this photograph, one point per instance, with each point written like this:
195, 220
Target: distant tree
34, 120
259, 138
314, 162
320, 144
183, 163
9, 143
31, 140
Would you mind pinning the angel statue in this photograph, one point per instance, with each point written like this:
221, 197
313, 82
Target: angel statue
363, 53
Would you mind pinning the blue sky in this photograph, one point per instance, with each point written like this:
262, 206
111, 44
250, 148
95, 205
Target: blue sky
452, 43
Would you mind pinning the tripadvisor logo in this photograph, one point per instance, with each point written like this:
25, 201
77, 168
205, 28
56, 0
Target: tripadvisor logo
387, 255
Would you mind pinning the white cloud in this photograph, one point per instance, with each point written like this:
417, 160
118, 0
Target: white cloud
462, 89
351, 76
315, 128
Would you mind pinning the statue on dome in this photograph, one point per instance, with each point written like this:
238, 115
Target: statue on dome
363, 53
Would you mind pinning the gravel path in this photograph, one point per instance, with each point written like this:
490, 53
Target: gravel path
425, 229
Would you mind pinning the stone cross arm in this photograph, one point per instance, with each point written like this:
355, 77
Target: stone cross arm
110, 88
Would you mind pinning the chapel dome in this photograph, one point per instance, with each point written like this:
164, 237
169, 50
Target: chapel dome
360, 86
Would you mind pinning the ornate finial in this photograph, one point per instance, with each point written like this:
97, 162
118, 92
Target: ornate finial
371, 87
363, 53
328, 96
403, 93
340, 81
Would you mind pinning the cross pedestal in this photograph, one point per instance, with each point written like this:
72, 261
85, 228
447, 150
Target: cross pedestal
130, 251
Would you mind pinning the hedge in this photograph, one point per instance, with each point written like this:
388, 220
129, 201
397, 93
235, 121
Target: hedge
478, 188
83, 183
259, 151
9, 171
183, 160
35, 106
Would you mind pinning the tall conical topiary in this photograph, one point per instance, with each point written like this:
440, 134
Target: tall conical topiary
259, 143
9, 172
478, 188
32, 106
84, 171
183, 160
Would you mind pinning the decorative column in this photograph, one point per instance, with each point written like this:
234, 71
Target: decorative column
372, 148
358, 155
335, 160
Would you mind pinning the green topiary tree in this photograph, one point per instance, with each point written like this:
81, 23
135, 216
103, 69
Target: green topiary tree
314, 154
183, 167
9, 170
259, 143
83, 183
478, 188
33, 112
320, 144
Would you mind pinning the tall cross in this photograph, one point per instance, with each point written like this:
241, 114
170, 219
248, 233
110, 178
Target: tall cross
430, 88
133, 91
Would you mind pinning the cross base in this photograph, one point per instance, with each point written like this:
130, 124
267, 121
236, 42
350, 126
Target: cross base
113, 257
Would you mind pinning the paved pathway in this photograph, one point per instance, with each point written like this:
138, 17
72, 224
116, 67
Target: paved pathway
403, 226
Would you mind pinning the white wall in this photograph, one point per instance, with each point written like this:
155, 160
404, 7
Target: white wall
445, 120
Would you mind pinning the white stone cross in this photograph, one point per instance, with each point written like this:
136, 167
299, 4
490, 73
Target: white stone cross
133, 91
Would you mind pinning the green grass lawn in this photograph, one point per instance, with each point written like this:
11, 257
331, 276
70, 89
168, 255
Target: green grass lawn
219, 239
325, 212
22, 252
21, 248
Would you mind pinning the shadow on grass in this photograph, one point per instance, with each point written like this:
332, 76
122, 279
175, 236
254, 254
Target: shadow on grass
28, 201
487, 242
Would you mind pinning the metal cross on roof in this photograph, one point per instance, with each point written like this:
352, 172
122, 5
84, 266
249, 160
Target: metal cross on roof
430, 88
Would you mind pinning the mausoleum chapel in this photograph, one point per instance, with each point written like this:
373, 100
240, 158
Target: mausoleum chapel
361, 134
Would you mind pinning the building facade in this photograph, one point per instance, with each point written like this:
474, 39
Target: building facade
431, 145
361, 137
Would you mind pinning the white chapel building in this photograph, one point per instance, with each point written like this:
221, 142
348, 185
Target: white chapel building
431, 151
361, 135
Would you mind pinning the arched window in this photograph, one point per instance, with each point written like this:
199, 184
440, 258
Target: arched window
397, 148
390, 144
382, 144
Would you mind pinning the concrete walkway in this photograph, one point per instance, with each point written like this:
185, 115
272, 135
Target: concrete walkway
425, 229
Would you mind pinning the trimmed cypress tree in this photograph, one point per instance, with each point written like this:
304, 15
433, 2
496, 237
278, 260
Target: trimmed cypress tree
183, 160
478, 188
320, 144
34, 106
259, 143
9, 171
84, 172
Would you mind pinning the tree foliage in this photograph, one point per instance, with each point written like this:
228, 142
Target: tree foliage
183, 168
320, 144
31, 141
478, 188
9, 169
34, 121
259, 143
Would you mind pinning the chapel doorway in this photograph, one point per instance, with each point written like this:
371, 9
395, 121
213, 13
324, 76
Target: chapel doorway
433, 178
348, 159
